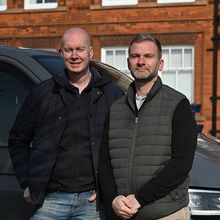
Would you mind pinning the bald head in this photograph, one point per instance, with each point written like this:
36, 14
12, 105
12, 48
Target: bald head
73, 32
76, 52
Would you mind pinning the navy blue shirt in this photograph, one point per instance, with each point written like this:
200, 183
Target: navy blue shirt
76, 89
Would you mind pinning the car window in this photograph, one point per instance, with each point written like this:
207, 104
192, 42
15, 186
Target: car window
14, 87
53, 64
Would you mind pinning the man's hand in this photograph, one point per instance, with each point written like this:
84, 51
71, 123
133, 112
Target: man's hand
122, 207
93, 197
135, 205
28, 197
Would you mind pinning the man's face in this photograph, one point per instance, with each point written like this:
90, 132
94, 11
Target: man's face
143, 61
76, 52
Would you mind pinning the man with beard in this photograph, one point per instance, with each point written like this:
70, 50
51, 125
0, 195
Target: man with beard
148, 143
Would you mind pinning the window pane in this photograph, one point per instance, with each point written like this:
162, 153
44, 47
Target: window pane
120, 59
116, 57
188, 58
12, 95
179, 75
3, 2
165, 56
3, 5
176, 58
34, 1
185, 83
169, 78
40, 4
109, 57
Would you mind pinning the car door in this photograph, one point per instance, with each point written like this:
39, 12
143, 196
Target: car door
14, 87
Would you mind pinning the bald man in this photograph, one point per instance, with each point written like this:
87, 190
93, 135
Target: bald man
64, 118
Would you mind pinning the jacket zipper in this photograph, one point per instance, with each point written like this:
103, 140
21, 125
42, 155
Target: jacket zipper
75, 144
132, 153
55, 145
76, 132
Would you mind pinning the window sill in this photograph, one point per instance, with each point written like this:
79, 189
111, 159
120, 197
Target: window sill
99, 6
21, 10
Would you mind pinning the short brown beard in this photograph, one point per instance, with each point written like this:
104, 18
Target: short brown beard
146, 79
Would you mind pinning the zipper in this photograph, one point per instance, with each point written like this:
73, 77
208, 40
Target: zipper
76, 134
134, 136
75, 144
55, 145
131, 158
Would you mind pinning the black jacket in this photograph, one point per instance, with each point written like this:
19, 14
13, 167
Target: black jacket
42, 119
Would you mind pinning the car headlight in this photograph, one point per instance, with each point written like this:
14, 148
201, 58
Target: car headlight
204, 202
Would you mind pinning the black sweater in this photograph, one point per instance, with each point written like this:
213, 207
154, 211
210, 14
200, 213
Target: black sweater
184, 131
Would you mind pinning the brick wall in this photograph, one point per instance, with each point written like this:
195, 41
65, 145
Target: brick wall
172, 24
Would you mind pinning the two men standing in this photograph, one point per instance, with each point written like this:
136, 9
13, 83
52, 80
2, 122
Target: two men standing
148, 140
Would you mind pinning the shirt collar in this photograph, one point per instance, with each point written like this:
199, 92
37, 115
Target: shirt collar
139, 101
74, 88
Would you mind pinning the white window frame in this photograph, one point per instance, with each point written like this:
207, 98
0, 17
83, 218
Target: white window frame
119, 2
43, 5
176, 69
114, 49
174, 1
3, 7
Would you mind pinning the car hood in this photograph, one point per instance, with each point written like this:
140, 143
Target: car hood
206, 166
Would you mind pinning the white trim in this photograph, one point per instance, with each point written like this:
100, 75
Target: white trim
173, 1
119, 2
3, 7
43, 5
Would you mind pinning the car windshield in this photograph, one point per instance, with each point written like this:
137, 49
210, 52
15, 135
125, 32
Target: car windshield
53, 64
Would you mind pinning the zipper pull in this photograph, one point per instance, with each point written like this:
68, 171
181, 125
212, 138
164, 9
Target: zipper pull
136, 120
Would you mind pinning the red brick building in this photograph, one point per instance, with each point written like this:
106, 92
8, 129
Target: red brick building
184, 28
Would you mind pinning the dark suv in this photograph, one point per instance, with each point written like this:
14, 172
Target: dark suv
20, 70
